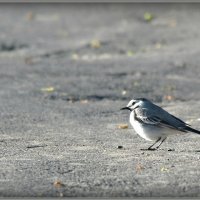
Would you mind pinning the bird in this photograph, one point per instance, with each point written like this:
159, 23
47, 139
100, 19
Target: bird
153, 123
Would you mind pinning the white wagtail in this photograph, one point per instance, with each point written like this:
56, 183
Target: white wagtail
153, 123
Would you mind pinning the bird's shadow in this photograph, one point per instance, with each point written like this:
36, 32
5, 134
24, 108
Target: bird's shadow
197, 150
190, 151
155, 149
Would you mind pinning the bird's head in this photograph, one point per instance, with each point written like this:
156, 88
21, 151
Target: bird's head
134, 103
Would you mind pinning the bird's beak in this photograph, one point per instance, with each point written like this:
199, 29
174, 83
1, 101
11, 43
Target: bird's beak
125, 108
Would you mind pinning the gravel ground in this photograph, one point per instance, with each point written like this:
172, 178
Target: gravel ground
67, 69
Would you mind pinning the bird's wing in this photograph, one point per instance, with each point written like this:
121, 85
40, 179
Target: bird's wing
180, 120
151, 117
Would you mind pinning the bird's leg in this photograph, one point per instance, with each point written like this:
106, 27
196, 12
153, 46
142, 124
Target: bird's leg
150, 148
161, 143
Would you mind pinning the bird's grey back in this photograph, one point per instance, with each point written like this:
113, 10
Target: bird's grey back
153, 111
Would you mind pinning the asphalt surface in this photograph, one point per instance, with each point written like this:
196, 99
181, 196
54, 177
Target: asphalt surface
67, 69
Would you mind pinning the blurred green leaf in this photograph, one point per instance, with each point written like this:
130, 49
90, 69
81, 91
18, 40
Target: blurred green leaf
48, 89
130, 53
148, 16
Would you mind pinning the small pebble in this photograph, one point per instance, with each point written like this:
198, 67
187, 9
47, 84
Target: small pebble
171, 149
120, 147
58, 184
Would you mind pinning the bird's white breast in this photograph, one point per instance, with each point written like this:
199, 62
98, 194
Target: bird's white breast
149, 132
139, 129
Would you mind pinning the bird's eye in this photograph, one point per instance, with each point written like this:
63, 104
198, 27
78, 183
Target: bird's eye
133, 103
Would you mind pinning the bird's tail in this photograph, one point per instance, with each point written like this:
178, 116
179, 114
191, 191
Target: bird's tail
192, 130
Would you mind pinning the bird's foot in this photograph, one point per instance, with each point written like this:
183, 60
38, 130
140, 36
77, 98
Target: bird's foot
149, 149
